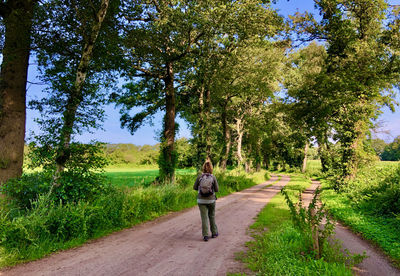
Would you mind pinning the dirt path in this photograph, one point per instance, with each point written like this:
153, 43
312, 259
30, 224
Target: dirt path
376, 263
171, 245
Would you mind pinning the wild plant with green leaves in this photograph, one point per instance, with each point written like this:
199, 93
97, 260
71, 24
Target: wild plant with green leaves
309, 221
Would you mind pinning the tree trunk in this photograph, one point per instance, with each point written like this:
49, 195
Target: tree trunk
352, 146
258, 156
76, 96
17, 20
304, 167
322, 157
239, 130
226, 140
201, 145
248, 164
267, 162
258, 166
349, 159
208, 124
323, 152
169, 129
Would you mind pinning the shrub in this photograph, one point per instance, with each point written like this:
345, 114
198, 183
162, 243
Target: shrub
384, 197
369, 205
73, 187
376, 190
308, 221
27, 188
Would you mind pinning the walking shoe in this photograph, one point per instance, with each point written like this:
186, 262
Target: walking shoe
205, 238
214, 235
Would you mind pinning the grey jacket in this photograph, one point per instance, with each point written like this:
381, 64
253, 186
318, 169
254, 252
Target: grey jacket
202, 199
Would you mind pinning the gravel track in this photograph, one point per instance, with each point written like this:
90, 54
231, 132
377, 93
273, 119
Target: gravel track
170, 245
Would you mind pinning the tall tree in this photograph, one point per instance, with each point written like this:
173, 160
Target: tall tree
229, 66
76, 58
305, 108
158, 40
161, 41
17, 19
361, 69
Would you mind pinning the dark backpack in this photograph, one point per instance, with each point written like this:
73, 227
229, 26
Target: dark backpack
206, 185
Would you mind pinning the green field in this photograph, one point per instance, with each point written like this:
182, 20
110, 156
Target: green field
314, 166
131, 177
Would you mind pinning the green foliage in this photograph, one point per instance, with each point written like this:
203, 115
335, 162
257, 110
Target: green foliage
377, 190
73, 187
309, 222
51, 224
312, 153
229, 184
184, 150
369, 205
392, 151
26, 189
379, 146
82, 158
76, 82
80, 179
129, 154
279, 247
314, 168
284, 142
340, 89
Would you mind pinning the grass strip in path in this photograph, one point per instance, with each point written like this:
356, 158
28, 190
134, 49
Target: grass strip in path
278, 247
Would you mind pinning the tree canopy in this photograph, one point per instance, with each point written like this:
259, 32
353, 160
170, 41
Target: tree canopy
256, 89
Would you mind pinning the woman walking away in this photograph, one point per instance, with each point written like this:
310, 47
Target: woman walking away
207, 185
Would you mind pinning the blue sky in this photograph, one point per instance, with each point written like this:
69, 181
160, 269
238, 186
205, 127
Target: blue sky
113, 133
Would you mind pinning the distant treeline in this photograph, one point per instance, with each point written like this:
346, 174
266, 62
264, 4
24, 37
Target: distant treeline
120, 154
387, 151
130, 154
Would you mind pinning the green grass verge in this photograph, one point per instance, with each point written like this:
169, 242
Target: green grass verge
280, 249
381, 230
50, 226
361, 204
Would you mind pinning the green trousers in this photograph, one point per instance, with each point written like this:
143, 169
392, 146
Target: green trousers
207, 213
